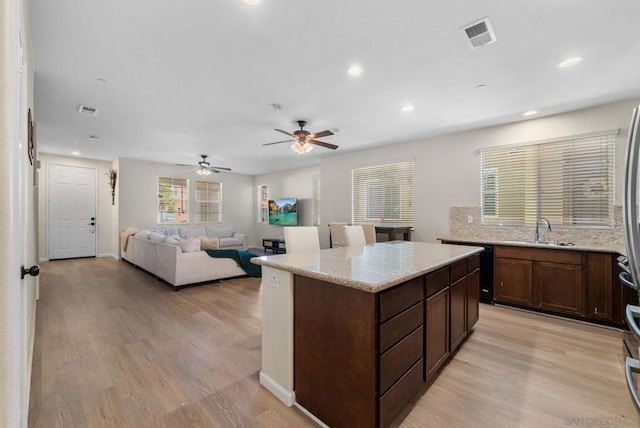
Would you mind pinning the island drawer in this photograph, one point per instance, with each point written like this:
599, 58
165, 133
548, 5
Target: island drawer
397, 397
401, 297
397, 360
458, 271
539, 254
474, 262
437, 281
401, 325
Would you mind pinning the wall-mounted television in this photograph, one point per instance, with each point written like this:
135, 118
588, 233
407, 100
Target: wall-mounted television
283, 211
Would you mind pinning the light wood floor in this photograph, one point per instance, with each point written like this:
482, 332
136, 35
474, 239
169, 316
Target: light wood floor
116, 348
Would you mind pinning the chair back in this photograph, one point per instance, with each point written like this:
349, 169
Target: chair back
301, 239
337, 236
354, 235
369, 232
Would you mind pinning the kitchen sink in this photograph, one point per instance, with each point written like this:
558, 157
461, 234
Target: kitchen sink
543, 243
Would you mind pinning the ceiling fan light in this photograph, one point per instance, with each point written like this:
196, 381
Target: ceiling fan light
203, 172
301, 148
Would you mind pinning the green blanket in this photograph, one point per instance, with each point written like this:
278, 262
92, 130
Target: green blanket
241, 257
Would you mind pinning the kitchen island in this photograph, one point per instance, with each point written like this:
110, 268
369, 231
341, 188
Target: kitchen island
350, 335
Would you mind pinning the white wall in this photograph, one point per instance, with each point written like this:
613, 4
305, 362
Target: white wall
447, 168
295, 183
107, 242
138, 194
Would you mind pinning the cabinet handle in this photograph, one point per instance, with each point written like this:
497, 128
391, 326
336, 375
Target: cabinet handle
632, 365
596, 311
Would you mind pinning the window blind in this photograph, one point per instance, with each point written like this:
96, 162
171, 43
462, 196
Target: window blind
383, 194
173, 200
263, 204
208, 202
570, 182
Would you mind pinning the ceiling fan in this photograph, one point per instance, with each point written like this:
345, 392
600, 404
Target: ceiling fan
205, 168
304, 140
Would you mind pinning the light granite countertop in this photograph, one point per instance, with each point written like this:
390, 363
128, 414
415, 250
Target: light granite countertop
577, 247
371, 268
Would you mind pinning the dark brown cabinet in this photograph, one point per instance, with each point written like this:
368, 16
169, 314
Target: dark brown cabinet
564, 282
437, 331
600, 287
513, 281
360, 357
559, 287
458, 312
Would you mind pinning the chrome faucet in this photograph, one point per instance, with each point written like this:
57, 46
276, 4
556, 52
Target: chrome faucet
536, 236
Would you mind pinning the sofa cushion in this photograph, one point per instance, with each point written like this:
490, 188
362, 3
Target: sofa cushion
220, 232
189, 244
159, 230
192, 232
209, 243
158, 237
230, 242
143, 234
171, 230
173, 240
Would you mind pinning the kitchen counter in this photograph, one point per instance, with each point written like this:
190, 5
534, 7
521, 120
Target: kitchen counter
520, 243
371, 268
363, 346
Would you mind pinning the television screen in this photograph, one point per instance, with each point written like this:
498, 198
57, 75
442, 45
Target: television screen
283, 212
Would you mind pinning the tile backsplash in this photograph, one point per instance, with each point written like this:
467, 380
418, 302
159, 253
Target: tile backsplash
459, 227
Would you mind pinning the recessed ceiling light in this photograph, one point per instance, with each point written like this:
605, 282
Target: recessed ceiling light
252, 2
407, 108
94, 137
275, 106
481, 86
530, 113
74, 142
355, 70
570, 62
75, 153
101, 80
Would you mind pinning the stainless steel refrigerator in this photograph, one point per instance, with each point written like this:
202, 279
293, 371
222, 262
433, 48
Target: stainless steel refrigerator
630, 274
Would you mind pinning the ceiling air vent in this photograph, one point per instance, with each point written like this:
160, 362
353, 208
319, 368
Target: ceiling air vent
91, 111
480, 33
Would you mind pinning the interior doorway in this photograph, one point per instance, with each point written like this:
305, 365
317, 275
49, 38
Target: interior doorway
72, 212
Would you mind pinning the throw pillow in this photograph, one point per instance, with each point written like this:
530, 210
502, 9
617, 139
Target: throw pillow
143, 234
209, 243
189, 245
173, 240
158, 237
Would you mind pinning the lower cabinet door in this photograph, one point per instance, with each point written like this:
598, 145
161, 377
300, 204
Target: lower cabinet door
473, 299
560, 287
513, 282
437, 331
458, 312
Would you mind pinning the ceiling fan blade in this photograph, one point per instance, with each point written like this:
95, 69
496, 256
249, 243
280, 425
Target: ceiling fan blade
278, 142
285, 132
192, 169
213, 168
322, 144
320, 135
185, 164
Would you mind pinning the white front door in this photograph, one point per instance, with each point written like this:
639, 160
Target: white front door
72, 212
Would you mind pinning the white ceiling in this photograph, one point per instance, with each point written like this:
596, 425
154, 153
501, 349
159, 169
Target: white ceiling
185, 78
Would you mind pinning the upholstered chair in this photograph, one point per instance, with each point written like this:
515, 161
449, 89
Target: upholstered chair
354, 235
369, 232
338, 238
301, 239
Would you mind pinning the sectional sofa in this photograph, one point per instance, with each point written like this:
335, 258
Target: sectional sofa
177, 254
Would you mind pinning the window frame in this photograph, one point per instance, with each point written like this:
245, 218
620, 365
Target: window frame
387, 182
206, 204
183, 200
551, 178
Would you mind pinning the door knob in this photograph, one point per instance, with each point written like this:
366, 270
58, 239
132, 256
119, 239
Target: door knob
33, 271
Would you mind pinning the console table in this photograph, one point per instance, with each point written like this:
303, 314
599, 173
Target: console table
275, 245
395, 231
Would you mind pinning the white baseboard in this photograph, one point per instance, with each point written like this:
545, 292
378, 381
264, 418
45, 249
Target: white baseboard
43, 260
281, 393
113, 256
